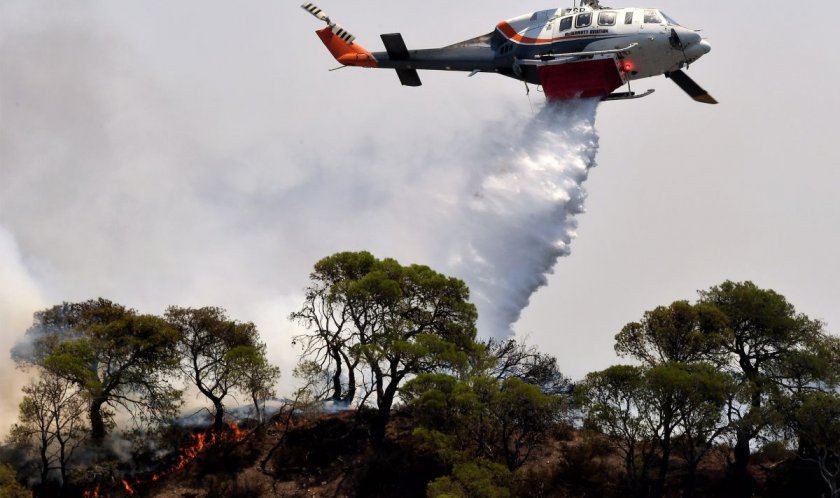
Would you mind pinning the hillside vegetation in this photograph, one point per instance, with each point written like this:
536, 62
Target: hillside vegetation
735, 394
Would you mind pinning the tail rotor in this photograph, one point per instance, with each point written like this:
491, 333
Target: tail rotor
336, 28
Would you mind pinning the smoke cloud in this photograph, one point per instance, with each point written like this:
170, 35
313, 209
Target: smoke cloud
19, 295
117, 182
520, 219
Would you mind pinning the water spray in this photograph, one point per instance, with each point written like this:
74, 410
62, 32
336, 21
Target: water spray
520, 216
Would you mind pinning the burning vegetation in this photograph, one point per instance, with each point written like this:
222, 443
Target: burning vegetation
399, 398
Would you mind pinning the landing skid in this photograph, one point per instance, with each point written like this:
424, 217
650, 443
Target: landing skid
626, 95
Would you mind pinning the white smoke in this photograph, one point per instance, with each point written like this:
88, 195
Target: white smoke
119, 180
520, 219
19, 296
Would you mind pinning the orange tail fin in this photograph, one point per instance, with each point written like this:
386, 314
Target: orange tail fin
348, 54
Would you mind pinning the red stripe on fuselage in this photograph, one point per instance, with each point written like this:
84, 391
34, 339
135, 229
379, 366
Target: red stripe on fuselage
511, 34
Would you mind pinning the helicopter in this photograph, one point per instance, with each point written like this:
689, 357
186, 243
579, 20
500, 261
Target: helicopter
585, 51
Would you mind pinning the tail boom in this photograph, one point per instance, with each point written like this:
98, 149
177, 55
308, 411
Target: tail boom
348, 54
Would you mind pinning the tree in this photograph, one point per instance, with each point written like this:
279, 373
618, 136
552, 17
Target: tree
477, 478
613, 399
255, 376
481, 416
681, 332
703, 395
512, 359
764, 337
818, 425
9, 485
396, 320
51, 420
214, 352
115, 356
683, 393
326, 311
523, 415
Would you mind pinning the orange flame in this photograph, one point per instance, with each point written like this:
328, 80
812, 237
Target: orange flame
94, 493
189, 452
238, 434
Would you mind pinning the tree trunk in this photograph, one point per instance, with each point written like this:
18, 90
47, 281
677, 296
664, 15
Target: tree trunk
45, 462
97, 422
377, 428
62, 460
663, 467
742, 480
257, 412
690, 478
630, 468
336, 380
219, 417
351, 382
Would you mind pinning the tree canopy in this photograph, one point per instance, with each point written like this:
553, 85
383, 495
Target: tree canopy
113, 354
212, 349
378, 317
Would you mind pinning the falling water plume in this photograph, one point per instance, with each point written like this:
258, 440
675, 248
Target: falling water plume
521, 215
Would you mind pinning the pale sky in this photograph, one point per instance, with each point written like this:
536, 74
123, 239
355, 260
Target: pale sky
199, 153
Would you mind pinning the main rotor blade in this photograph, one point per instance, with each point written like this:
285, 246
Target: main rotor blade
690, 87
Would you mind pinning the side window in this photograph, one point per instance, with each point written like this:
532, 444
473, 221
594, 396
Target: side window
651, 17
628, 17
583, 20
606, 19
565, 23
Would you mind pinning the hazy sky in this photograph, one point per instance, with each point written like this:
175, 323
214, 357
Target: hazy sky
200, 153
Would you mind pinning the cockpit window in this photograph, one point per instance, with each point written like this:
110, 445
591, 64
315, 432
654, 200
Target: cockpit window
583, 20
565, 23
652, 17
606, 18
669, 19
628, 17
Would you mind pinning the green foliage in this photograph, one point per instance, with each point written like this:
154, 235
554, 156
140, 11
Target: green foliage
506, 359
115, 356
613, 401
481, 416
394, 321
477, 478
663, 404
220, 355
50, 424
254, 375
818, 421
9, 486
681, 332
773, 351
765, 335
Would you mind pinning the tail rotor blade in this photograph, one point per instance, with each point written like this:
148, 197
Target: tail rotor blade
342, 33
690, 87
316, 11
337, 29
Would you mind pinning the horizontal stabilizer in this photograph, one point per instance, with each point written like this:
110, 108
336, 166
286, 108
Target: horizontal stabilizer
395, 46
409, 77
